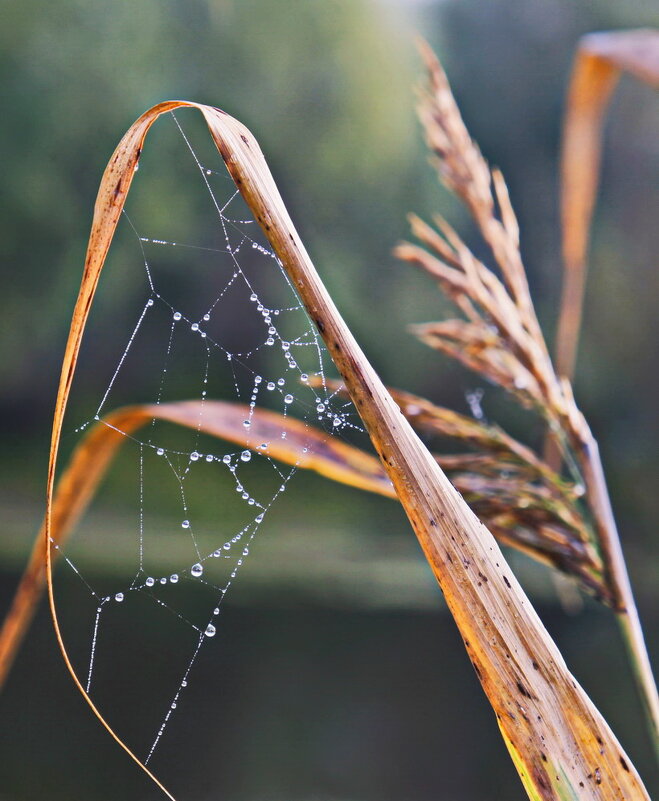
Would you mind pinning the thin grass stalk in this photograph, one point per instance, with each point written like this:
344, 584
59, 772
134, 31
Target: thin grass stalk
560, 744
591, 86
627, 614
601, 59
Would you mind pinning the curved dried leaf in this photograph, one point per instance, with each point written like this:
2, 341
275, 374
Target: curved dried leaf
544, 714
599, 62
304, 446
535, 520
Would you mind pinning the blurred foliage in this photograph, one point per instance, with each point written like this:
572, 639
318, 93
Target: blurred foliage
326, 87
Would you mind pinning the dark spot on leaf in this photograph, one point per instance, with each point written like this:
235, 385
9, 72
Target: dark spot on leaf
506, 582
625, 766
525, 691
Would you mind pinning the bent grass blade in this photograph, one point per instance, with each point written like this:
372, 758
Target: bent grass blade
559, 736
600, 61
304, 447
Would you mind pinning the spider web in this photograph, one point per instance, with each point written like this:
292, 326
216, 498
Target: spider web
212, 316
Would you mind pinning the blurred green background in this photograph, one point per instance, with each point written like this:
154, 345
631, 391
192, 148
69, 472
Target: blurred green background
344, 681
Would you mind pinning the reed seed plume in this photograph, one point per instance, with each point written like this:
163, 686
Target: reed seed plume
499, 337
524, 503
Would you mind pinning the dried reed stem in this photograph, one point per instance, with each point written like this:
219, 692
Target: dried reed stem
501, 338
627, 616
599, 62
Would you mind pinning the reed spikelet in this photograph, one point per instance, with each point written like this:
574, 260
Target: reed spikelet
524, 503
499, 337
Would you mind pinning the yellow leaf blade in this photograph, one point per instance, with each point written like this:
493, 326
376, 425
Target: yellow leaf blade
325, 454
600, 60
306, 447
535, 697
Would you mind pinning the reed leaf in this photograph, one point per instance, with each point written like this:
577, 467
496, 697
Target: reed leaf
561, 745
305, 447
600, 60
530, 509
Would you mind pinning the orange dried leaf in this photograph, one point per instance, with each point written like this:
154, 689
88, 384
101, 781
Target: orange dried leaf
326, 455
601, 59
558, 736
